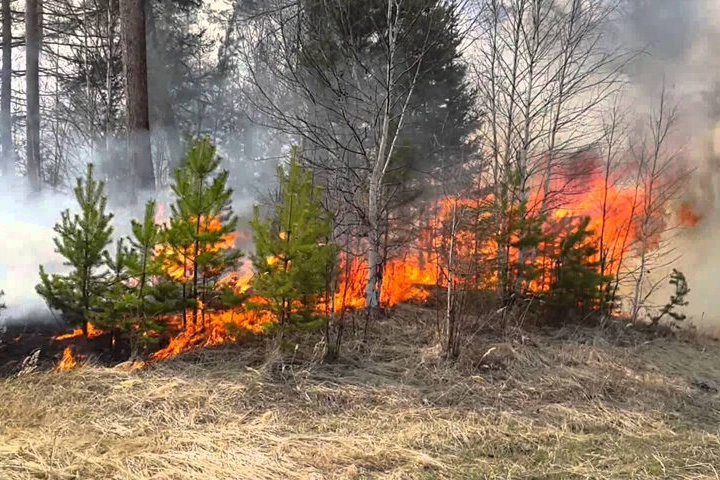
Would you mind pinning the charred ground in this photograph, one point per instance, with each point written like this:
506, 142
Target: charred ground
574, 402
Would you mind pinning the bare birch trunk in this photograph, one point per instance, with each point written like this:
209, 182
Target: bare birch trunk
451, 347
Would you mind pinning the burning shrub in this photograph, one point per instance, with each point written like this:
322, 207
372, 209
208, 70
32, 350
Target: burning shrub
138, 292
83, 240
292, 251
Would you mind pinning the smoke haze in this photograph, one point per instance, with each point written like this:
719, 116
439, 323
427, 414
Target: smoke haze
680, 41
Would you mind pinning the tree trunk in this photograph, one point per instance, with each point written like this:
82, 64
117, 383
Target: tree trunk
451, 346
7, 162
132, 21
158, 84
32, 57
372, 293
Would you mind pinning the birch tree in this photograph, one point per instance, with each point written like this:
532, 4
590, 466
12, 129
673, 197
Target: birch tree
545, 68
356, 80
7, 165
660, 175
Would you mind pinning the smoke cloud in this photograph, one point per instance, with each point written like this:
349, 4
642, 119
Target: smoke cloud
679, 50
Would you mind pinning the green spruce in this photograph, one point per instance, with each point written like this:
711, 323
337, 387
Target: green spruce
292, 249
82, 240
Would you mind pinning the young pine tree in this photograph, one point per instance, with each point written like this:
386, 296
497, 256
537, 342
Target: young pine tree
83, 240
292, 252
576, 280
137, 294
677, 280
113, 309
202, 225
146, 266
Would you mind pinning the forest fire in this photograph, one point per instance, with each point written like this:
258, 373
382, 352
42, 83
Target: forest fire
412, 271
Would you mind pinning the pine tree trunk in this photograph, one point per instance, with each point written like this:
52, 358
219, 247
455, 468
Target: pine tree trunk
163, 114
132, 20
32, 57
7, 162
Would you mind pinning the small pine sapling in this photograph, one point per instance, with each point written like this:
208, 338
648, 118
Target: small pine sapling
112, 311
201, 235
576, 279
292, 252
82, 240
135, 296
678, 280
146, 266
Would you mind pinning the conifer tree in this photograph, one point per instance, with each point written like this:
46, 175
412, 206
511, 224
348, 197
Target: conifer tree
136, 293
576, 282
83, 240
202, 225
113, 309
146, 265
292, 252
677, 280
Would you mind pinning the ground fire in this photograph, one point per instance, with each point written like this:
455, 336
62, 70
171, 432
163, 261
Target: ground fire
414, 272
67, 362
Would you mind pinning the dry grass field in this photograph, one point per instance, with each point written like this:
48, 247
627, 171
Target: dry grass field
574, 403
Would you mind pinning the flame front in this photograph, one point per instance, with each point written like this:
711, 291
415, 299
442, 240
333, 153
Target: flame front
412, 272
93, 332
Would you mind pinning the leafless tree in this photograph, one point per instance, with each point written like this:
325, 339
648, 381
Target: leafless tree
545, 68
661, 174
7, 166
615, 238
348, 101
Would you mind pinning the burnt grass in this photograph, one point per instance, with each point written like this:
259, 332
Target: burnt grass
33, 345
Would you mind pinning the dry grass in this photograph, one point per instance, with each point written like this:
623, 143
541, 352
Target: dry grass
569, 405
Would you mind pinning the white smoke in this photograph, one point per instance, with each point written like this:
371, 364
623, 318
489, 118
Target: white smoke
27, 221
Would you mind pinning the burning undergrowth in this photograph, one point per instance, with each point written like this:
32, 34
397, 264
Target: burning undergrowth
183, 284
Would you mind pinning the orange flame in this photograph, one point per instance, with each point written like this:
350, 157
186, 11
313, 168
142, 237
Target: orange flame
179, 264
411, 273
93, 332
67, 362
